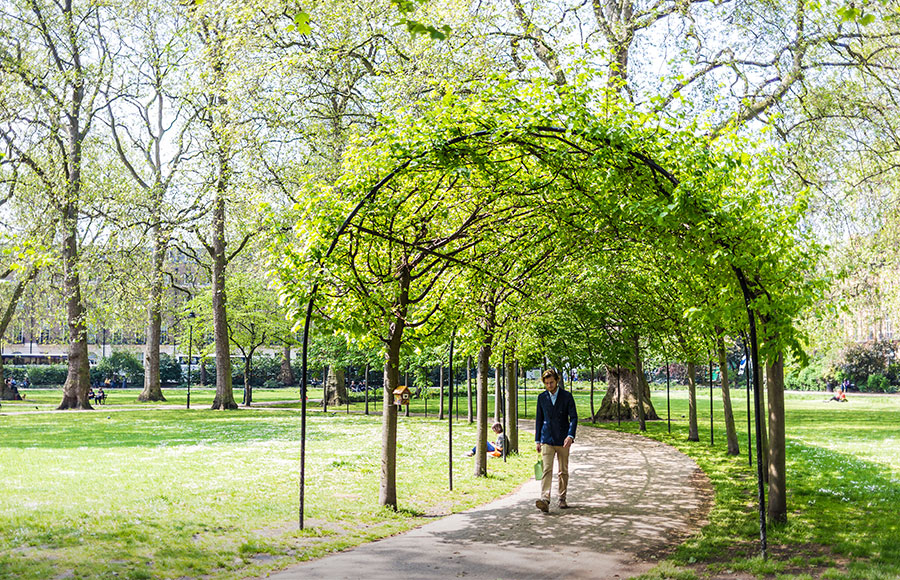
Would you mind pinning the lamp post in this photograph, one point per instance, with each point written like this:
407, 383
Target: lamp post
191, 316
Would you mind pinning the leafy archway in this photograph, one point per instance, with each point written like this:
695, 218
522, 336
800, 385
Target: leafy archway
493, 190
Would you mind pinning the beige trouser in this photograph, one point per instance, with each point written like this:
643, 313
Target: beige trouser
562, 455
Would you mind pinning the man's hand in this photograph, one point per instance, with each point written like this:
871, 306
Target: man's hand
538, 445
568, 442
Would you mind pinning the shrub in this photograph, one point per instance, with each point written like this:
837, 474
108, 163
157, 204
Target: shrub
314, 370
47, 374
16, 373
195, 373
264, 368
877, 383
893, 373
169, 370
860, 361
810, 378
96, 375
121, 362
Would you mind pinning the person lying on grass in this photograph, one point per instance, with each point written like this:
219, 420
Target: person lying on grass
840, 397
495, 449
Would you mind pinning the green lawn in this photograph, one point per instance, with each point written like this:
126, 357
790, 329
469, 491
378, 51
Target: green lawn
200, 492
843, 491
49, 398
153, 493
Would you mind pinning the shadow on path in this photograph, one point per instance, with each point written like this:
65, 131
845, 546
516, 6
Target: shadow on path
629, 496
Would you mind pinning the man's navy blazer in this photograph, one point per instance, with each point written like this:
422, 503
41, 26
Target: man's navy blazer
553, 423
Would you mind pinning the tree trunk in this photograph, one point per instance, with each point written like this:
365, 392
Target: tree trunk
512, 408
336, 386
248, 374
471, 416
481, 394
498, 372
730, 431
777, 470
216, 119
629, 382
78, 380
325, 389
693, 429
5, 394
224, 399
593, 415
640, 393
764, 430
287, 372
387, 493
152, 386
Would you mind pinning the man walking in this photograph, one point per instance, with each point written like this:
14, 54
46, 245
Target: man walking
554, 431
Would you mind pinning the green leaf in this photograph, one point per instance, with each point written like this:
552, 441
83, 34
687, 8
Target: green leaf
848, 13
301, 23
404, 6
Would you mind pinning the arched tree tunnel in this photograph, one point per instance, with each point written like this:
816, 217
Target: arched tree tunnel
478, 214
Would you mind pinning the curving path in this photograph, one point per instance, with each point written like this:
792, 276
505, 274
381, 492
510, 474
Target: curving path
631, 499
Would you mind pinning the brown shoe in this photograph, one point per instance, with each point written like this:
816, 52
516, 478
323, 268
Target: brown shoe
563, 505
543, 505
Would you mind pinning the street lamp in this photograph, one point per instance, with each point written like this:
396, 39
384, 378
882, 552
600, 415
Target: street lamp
190, 344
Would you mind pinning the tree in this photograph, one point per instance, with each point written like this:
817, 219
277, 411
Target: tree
148, 123
224, 38
55, 62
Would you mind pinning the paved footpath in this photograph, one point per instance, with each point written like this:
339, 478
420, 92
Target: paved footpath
630, 498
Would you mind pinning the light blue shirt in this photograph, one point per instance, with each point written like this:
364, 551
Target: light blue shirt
553, 396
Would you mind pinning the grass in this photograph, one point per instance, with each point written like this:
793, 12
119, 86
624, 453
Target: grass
155, 493
222, 486
843, 465
49, 398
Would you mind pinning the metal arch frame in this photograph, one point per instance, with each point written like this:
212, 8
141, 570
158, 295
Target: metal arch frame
555, 133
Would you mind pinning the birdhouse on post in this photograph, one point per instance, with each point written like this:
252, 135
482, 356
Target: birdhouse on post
402, 395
